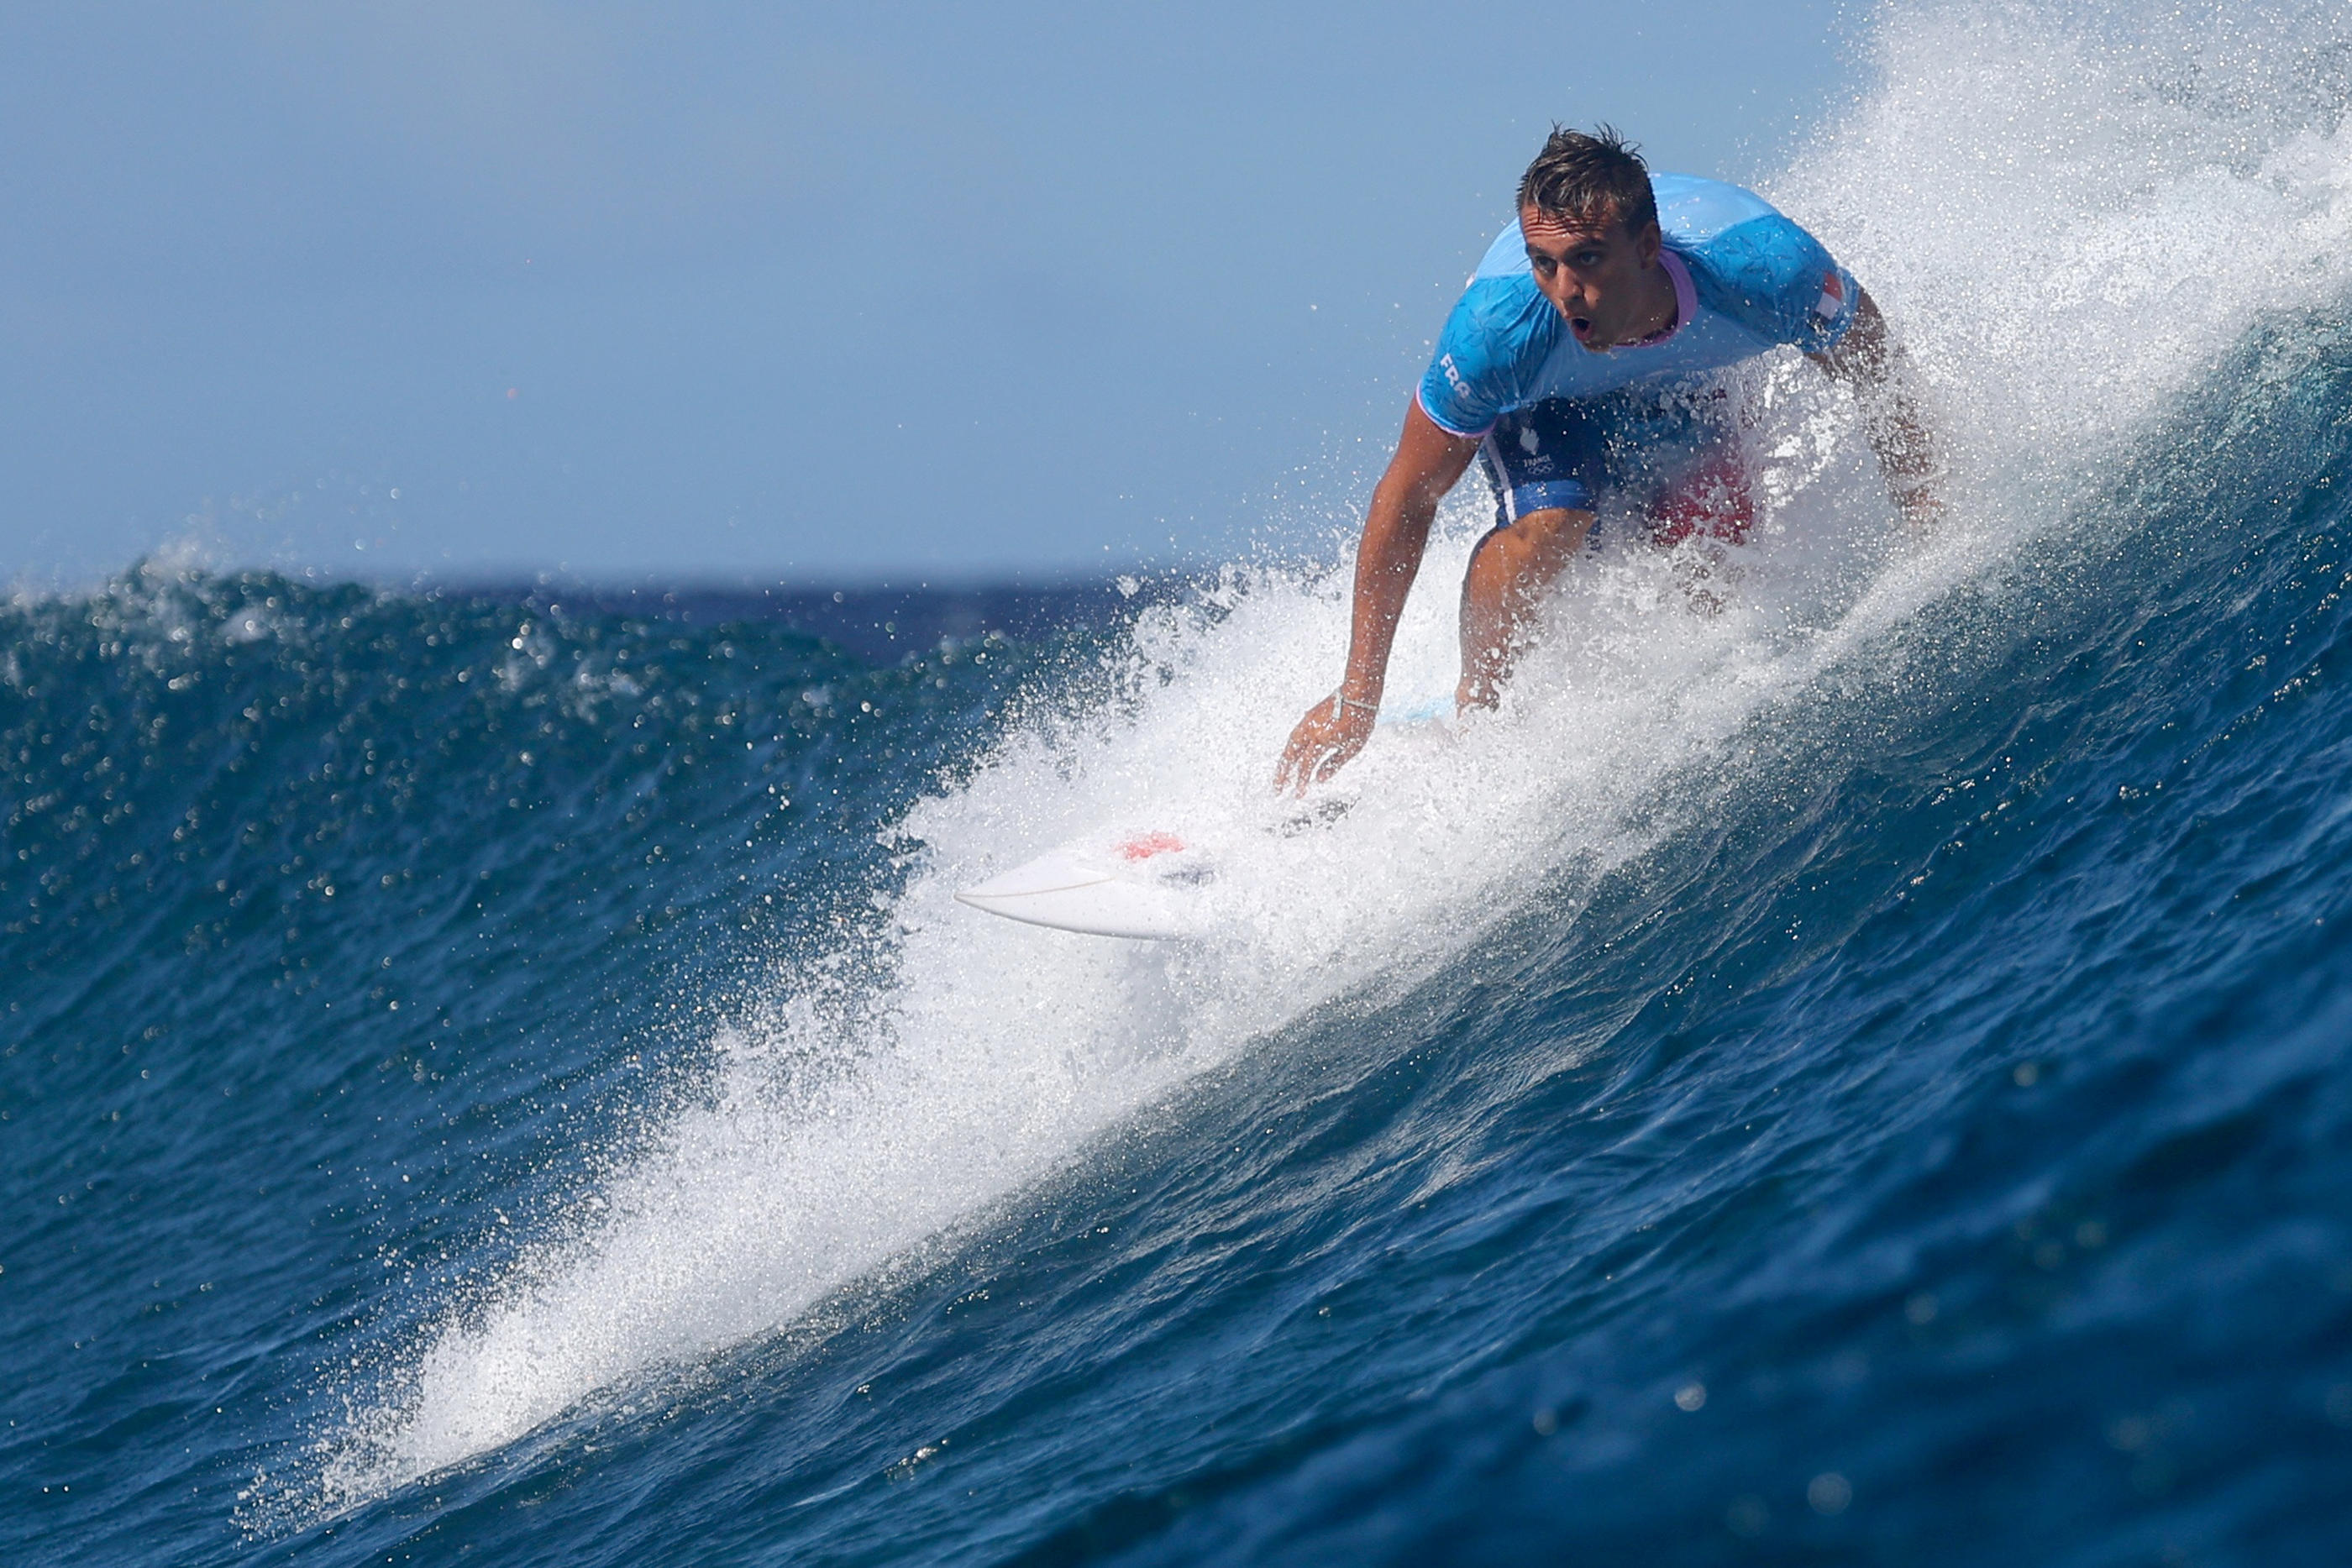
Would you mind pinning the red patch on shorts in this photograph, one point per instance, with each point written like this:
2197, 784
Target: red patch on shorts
1712, 502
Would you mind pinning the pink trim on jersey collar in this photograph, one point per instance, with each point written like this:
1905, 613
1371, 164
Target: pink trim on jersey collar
1685, 300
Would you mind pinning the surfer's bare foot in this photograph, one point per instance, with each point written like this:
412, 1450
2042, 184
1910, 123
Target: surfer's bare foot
1925, 512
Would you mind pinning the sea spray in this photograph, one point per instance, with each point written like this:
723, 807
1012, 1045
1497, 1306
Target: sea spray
2015, 190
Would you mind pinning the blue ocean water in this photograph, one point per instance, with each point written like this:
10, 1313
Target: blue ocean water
1855, 1076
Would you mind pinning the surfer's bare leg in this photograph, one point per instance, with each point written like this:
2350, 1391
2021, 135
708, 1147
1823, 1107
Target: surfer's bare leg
1510, 571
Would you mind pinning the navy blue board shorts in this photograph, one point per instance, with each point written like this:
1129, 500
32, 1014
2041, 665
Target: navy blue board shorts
1662, 459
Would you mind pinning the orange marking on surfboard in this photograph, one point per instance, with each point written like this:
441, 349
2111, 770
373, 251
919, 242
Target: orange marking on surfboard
1144, 846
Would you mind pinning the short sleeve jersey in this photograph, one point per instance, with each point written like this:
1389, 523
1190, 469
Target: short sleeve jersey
1746, 280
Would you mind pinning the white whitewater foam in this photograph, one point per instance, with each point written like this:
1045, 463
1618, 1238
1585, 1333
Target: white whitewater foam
2068, 241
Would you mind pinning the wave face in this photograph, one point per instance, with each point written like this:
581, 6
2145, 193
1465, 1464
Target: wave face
1855, 1075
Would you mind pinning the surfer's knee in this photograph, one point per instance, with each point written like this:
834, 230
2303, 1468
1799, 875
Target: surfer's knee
1521, 558
1510, 570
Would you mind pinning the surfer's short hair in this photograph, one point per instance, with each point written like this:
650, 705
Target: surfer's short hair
1580, 178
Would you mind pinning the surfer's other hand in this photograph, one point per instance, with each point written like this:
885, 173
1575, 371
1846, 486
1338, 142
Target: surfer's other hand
1924, 510
1325, 740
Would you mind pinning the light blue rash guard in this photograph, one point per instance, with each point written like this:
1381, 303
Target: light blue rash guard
1746, 280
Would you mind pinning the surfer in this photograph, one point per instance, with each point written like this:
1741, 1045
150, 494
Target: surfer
1575, 368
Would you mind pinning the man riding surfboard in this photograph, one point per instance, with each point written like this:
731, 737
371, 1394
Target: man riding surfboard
1578, 366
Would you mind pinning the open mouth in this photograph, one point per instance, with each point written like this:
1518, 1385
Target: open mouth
1582, 327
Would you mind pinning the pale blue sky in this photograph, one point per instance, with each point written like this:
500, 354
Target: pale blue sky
817, 292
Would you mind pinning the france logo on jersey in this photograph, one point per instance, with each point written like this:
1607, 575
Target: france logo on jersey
1746, 280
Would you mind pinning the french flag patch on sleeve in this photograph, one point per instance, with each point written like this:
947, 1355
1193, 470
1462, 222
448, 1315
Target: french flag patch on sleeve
1832, 300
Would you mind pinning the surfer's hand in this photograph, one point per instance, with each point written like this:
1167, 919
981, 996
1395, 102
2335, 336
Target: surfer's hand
1331, 734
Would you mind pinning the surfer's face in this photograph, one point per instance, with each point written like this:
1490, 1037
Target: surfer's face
1605, 279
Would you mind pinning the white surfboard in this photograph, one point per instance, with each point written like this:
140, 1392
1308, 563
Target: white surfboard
1150, 885
1145, 886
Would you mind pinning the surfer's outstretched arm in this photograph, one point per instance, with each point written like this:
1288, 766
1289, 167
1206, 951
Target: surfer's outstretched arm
1869, 360
1428, 461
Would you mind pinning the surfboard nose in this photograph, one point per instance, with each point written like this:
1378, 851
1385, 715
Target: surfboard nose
1055, 871
1067, 892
